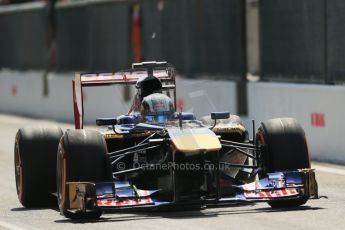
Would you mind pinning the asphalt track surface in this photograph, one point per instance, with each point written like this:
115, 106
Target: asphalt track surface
316, 214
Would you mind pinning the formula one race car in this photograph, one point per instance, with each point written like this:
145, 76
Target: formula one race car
156, 158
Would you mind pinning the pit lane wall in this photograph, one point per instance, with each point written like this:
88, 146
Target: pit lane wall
23, 93
319, 108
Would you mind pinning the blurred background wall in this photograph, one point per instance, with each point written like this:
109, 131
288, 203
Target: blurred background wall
278, 40
199, 37
257, 58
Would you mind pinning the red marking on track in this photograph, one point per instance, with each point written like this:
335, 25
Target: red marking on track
14, 90
179, 103
318, 119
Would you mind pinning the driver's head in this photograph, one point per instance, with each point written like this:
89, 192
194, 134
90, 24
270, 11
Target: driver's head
148, 85
157, 107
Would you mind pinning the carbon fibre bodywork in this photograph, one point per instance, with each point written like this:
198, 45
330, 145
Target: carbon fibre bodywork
119, 195
227, 166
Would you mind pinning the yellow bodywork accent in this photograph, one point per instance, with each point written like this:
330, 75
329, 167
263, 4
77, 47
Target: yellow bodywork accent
195, 142
78, 192
112, 136
310, 184
220, 129
225, 126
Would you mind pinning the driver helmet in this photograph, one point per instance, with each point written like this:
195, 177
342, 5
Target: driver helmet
148, 85
157, 107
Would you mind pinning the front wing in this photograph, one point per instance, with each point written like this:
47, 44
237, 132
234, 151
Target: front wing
115, 196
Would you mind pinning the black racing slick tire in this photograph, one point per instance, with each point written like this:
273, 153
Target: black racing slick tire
81, 157
35, 165
286, 149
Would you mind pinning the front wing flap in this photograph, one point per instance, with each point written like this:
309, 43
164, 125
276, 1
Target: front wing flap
122, 195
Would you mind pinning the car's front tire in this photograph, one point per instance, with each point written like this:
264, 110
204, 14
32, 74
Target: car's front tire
286, 150
81, 157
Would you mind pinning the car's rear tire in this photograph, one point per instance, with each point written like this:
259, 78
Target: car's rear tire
35, 163
81, 157
286, 150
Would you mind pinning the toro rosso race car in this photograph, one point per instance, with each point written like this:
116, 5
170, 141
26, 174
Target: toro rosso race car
157, 158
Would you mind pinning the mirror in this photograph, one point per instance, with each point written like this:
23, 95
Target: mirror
220, 115
106, 121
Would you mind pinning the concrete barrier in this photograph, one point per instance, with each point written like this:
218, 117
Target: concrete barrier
318, 108
22, 93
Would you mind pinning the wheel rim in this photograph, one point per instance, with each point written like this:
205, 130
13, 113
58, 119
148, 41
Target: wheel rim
260, 140
18, 169
61, 177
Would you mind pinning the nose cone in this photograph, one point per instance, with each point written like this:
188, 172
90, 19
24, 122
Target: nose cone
192, 141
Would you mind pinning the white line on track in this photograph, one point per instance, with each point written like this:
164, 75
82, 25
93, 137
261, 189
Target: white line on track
326, 169
5, 225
